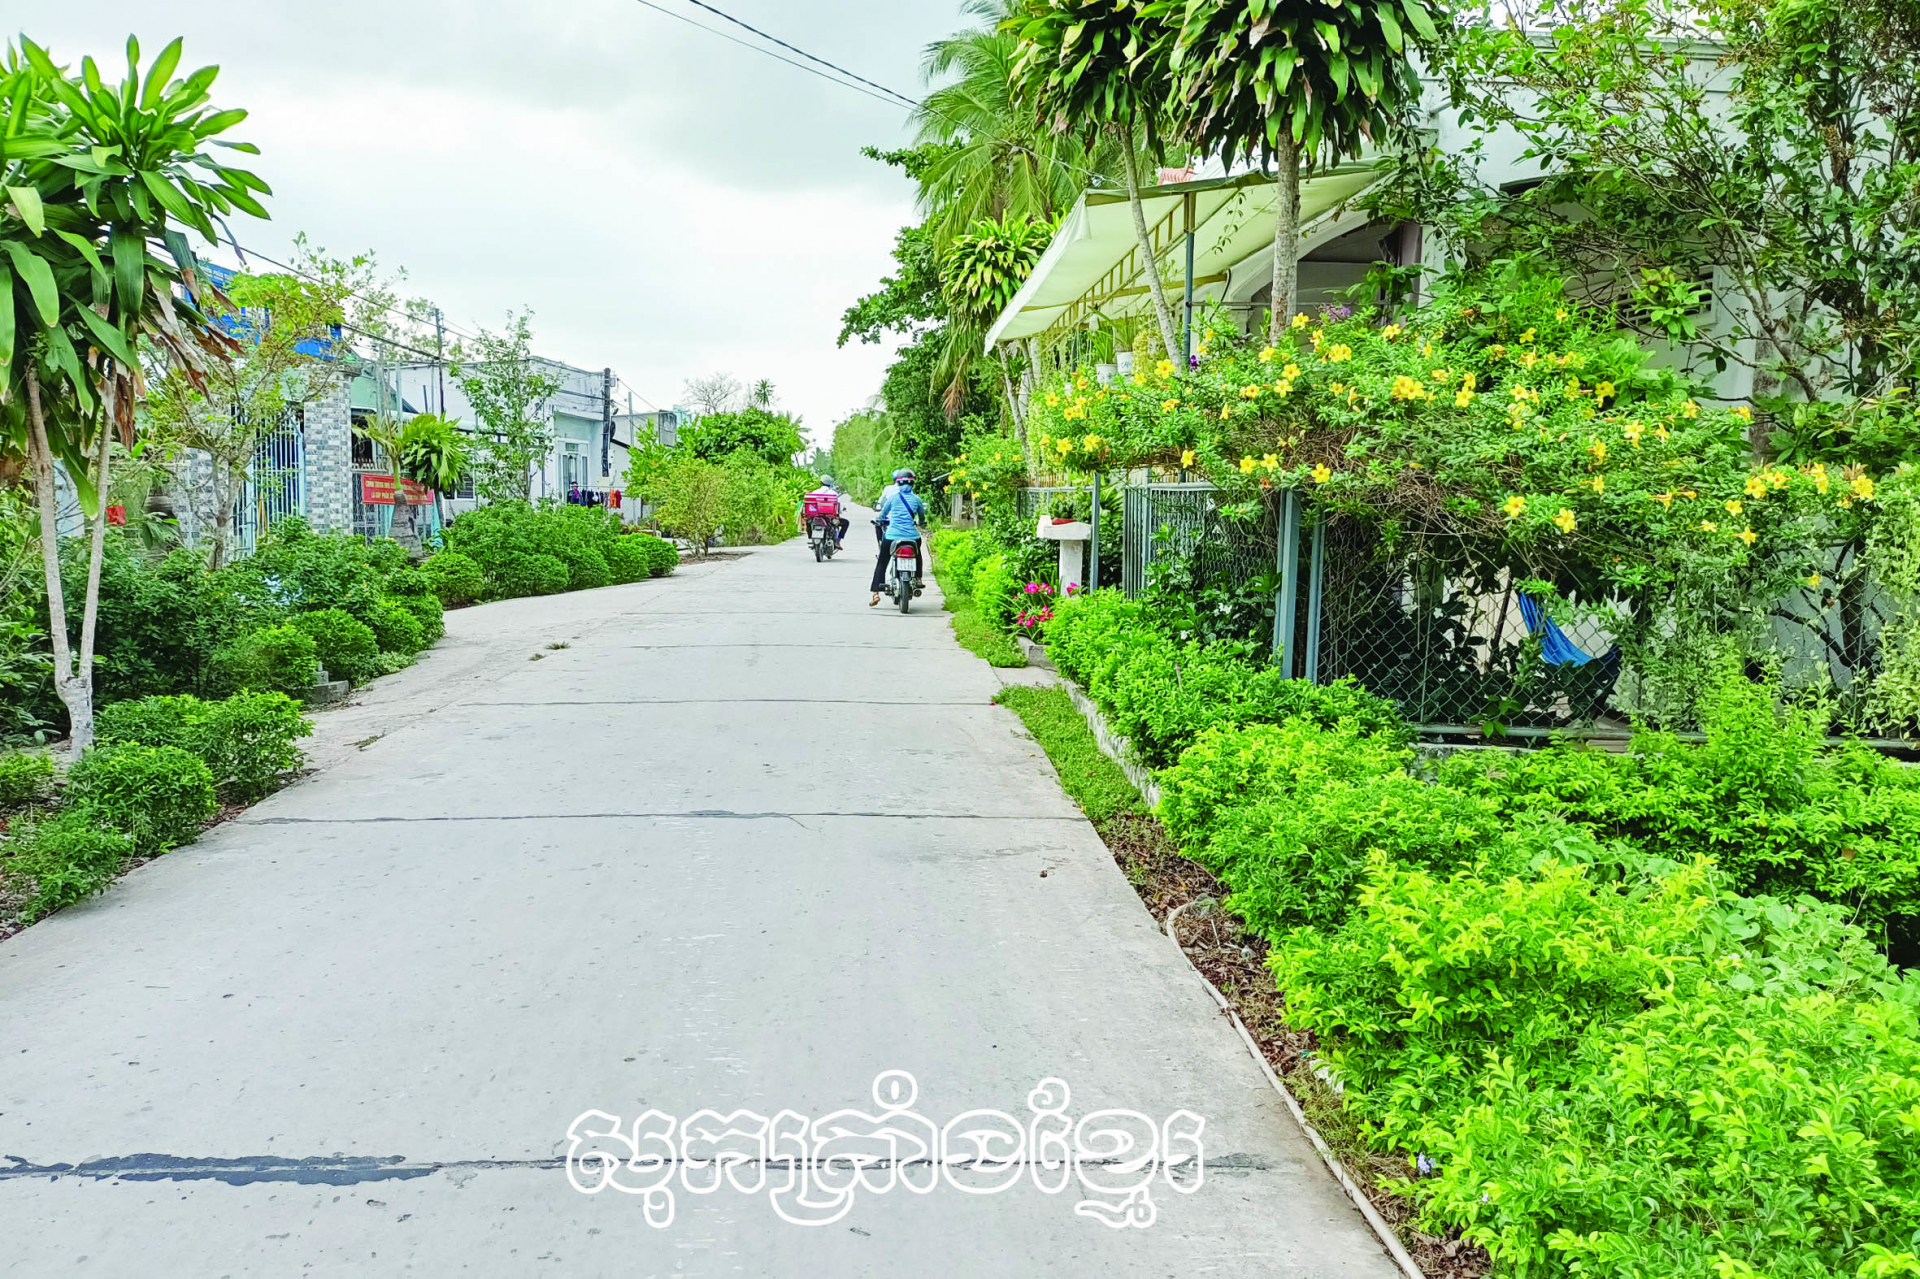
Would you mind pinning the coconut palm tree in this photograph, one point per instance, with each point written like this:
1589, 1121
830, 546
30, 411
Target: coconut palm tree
989, 159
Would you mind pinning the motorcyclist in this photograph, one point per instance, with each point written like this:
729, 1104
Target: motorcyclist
827, 492
901, 516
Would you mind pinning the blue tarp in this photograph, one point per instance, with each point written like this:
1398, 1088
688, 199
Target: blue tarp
241, 326
1554, 644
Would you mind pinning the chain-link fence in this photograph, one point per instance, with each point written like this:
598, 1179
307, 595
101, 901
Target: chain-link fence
1180, 530
1457, 643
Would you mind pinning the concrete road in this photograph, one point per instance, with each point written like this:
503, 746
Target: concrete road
744, 844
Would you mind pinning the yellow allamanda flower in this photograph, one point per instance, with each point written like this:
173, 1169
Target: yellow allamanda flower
1468, 382
1266, 354
1283, 389
1053, 401
1734, 508
1093, 443
1300, 321
1391, 332
1662, 434
1561, 314
1497, 351
1462, 398
1291, 372
1813, 579
1689, 409
1514, 506
1756, 486
1249, 392
1743, 411
1247, 464
1426, 350
1186, 458
1441, 375
1820, 481
1708, 526
1747, 535
1599, 483
1777, 477
1321, 474
1164, 368
1170, 405
1339, 353
1603, 390
1863, 486
1565, 521
1226, 411
1271, 461
1633, 431
1527, 336
1665, 499
1530, 359
1599, 450
1573, 388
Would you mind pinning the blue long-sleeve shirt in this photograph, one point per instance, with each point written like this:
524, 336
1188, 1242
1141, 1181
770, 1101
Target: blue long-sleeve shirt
902, 510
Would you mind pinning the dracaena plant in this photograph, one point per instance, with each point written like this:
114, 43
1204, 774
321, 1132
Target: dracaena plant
1290, 83
1092, 67
95, 176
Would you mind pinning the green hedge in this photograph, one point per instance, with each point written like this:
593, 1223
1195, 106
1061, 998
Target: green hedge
520, 549
246, 741
158, 796
1622, 1014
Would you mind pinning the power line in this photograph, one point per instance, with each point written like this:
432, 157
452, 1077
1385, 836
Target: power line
681, 17
803, 53
892, 98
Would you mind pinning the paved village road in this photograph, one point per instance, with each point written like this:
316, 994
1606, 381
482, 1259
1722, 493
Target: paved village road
744, 843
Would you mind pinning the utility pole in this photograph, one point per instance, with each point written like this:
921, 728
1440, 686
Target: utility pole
439, 358
606, 423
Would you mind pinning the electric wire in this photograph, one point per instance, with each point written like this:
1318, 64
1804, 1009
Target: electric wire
802, 52
681, 17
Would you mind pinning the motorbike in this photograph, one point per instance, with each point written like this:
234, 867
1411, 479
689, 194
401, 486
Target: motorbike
903, 575
820, 533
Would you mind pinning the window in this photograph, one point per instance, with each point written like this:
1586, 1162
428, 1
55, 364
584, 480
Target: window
363, 451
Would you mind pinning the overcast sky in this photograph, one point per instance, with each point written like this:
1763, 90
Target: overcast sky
667, 203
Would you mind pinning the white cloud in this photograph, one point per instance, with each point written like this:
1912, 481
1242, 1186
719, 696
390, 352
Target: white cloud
667, 203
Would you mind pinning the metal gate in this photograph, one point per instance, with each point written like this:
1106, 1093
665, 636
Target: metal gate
276, 483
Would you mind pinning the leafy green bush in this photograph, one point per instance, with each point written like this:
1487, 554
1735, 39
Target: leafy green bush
628, 561
427, 613
996, 589
587, 570
66, 859
280, 659
396, 629
246, 741
956, 552
156, 795
456, 578
26, 777
662, 556
346, 646
1764, 796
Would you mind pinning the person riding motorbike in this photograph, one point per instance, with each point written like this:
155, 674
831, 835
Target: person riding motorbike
828, 494
901, 516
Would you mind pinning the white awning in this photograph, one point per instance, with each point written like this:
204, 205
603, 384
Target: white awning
1233, 218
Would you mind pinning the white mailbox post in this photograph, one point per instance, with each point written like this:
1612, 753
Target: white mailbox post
1073, 537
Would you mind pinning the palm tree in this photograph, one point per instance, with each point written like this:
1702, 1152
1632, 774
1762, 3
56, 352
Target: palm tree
989, 159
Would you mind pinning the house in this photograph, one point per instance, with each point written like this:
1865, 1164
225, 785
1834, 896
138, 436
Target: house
1212, 236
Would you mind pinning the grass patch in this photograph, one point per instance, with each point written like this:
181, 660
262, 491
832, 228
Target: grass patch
1094, 781
982, 639
973, 631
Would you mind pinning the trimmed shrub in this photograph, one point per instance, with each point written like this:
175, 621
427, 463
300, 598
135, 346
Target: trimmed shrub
67, 859
247, 743
628, 561
278, 659
152, 721
587, 570
427, 611
550, 575
997, 589
456, 578
346, 646
396, 629
158, 796
662, 556
26, 777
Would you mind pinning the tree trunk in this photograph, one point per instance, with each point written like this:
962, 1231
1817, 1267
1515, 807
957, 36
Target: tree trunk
1161, 311
1286, 239
90, 617
75, 696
